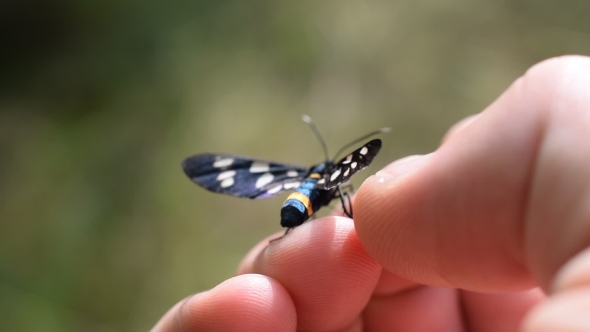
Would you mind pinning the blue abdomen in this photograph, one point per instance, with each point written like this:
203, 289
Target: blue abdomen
302, 203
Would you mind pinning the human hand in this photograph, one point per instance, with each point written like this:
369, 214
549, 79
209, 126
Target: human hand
462, 239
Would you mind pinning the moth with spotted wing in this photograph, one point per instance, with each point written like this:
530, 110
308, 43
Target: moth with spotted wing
242, 176
313, 187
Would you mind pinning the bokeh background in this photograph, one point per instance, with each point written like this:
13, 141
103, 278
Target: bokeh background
100, 101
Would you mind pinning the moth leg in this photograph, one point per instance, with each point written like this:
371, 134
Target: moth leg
280, 237
349, 187
349, 204
341, 195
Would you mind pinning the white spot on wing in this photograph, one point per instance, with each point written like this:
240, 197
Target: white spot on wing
223, 162
292, 185
335, 175
364, 150
227, 182
264, 179
259, 167
347, 171
292, 173
274, 190
353, 165
348, 159
225, 175
322, 181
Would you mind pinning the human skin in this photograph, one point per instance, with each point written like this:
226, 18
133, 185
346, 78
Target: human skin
490, 232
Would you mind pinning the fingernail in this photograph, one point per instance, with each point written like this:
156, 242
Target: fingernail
400, 168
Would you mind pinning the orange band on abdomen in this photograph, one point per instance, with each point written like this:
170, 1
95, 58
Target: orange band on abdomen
304, 200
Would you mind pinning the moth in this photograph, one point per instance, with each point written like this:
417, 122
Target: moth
313, 187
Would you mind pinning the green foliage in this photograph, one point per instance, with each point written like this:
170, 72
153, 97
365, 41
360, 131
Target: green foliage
100, 102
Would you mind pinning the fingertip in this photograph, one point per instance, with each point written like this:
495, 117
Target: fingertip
402, 167
247, 263
575, 273
244, 303
457, 127
325, 269
566, 311
383, 212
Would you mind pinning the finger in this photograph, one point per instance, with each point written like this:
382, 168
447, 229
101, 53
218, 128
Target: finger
464, 123
390, 283
356, 326
502, 204
324, 268
426, 308
243, 303
418, 309
498, 312
569, 309
564, 312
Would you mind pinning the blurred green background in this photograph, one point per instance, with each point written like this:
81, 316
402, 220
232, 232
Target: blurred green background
100, 102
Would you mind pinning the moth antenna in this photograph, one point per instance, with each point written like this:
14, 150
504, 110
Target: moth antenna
307, 119
373, 133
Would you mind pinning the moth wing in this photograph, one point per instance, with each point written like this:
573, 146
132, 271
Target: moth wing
242, 176
348, 166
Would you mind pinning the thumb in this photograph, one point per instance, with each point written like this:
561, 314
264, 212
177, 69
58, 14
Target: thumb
500, 205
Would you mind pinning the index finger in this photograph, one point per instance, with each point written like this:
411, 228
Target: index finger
325, 269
